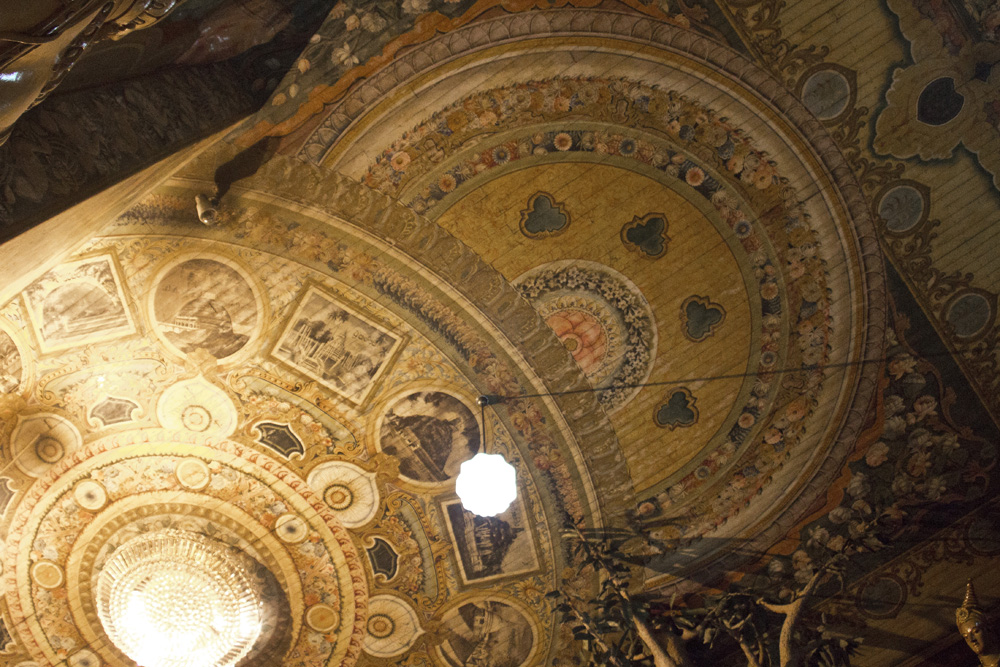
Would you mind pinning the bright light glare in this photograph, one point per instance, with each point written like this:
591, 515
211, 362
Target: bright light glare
487, 484
177, 599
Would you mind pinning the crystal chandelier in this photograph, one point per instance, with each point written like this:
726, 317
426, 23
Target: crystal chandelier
177, 599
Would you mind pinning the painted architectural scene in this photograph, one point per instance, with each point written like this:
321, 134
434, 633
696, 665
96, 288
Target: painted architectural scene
77, 302
205, 304
493, 546
486, 633
336, 346
431, 433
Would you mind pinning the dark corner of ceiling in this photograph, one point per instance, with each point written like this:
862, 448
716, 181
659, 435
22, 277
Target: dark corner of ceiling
127, 104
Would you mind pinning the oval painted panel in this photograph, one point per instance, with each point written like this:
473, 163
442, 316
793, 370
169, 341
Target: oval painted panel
826, 94
969, 314
902, 208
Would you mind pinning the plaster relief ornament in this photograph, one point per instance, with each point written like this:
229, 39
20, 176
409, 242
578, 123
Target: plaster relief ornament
347, 490
199, 406
978, 630
393, 627
41, 440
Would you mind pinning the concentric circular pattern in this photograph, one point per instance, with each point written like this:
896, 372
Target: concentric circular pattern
338, 496
62, 596
177, 599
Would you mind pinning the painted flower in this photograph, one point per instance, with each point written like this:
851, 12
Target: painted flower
925, 406
919, 439
840, 515
626, 147
902, 365
877, 454
894, 427
343, 56
645, 508
400, 160
563, 141
894, 405
352, 22
858, 486
415, 6
893, 512
769, 290
447, 183
919, 464
902, 485
371, 22
694, 177
935, 488
797, 409
818, 536
746, 420
764, 176
836, 544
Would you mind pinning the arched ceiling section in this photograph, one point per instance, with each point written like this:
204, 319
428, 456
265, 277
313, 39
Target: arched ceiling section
642, 156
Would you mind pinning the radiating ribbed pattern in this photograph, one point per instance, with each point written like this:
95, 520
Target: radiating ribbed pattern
177, 599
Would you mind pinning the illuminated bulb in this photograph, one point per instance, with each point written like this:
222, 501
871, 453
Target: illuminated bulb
487, 484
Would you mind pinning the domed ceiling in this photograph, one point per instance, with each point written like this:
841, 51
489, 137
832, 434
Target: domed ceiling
652, 255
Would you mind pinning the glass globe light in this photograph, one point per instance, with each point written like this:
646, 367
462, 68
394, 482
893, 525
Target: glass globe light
177, 599
487, 484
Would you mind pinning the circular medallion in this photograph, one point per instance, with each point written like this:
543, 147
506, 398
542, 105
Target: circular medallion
196, 418
431, 433
322, 618
380, 626
90, 495
291, 529
602, 318
49, 450
338, 496
83, 659
969, 314
348, 490
209, 304
901, 207
47, 574
826, 93
393, 626
193, 474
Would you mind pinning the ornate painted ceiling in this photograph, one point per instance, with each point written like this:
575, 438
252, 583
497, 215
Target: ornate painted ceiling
728, 269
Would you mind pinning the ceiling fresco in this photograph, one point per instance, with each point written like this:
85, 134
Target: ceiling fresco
705, 261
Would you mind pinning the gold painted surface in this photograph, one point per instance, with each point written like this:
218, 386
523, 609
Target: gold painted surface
600, 199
